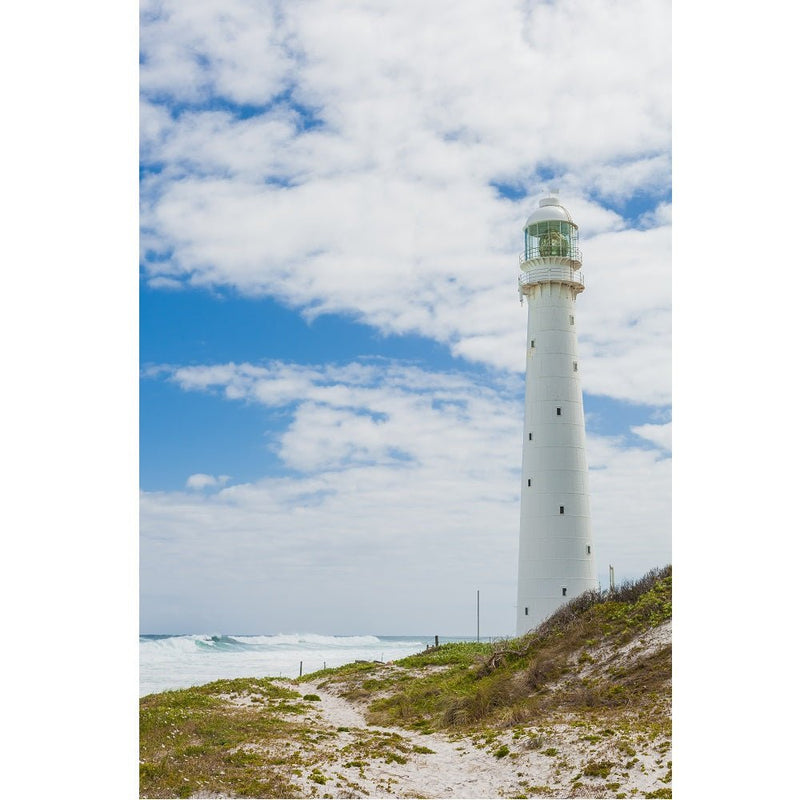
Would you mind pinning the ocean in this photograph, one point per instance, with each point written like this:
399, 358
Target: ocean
179, 661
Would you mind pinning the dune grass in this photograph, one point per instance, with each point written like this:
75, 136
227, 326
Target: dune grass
557, 666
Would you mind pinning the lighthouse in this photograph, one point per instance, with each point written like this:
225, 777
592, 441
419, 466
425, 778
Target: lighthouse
556, 562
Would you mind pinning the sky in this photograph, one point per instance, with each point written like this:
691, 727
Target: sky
331, 341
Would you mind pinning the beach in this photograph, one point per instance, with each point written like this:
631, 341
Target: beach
330, 747
466, 766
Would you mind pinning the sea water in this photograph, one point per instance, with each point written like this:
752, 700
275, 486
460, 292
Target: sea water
180, 661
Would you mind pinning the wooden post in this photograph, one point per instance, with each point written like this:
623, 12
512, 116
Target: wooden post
436, 640
301, 669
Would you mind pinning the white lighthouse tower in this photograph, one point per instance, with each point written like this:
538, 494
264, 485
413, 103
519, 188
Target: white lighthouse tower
556, 562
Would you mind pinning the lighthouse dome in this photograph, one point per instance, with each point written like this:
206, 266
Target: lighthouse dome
549, 210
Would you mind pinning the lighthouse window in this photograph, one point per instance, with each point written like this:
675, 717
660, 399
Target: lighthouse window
530, 437
574, 366
571, 319
558, 411
526, 611
533, 342
563, 591
561, 509
529, 481
588, 549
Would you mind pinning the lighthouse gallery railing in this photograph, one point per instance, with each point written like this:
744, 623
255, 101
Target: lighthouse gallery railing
551, 272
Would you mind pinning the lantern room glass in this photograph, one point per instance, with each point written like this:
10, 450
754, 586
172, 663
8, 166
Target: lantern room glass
551, 238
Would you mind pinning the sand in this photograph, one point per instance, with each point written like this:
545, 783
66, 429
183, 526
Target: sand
542, 761
341, 756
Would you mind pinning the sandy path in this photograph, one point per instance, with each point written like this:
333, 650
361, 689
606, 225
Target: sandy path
349, 759
456, 768
337, 711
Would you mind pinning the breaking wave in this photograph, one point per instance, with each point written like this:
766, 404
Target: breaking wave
178, 661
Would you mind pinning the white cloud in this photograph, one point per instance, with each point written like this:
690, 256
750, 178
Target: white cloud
384, 209
661, 215
405, 484
631, 506
162, 282
619, 181
658, 434
625, 316
193, 51
200, 481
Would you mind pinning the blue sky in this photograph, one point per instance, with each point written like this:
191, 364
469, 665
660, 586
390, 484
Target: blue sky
197, 327
331, 341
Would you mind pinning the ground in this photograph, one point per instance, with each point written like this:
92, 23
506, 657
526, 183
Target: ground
579, 708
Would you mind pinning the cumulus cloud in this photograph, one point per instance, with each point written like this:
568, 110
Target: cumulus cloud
360, 172
399, 477
660, 434
200, 481
193, 52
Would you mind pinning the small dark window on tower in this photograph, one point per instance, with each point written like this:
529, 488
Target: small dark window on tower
533, 342
588, 549
571, 319
561, 509
530, 437
558, 411
526, 611
563, 591
529, 481
574, 366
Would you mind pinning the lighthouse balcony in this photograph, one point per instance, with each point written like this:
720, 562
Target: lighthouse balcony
551, 255
539, 270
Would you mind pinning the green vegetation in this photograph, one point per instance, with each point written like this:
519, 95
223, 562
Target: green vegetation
194, 740
598, 769
584, 669
521, 680
355, 668
454, 653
